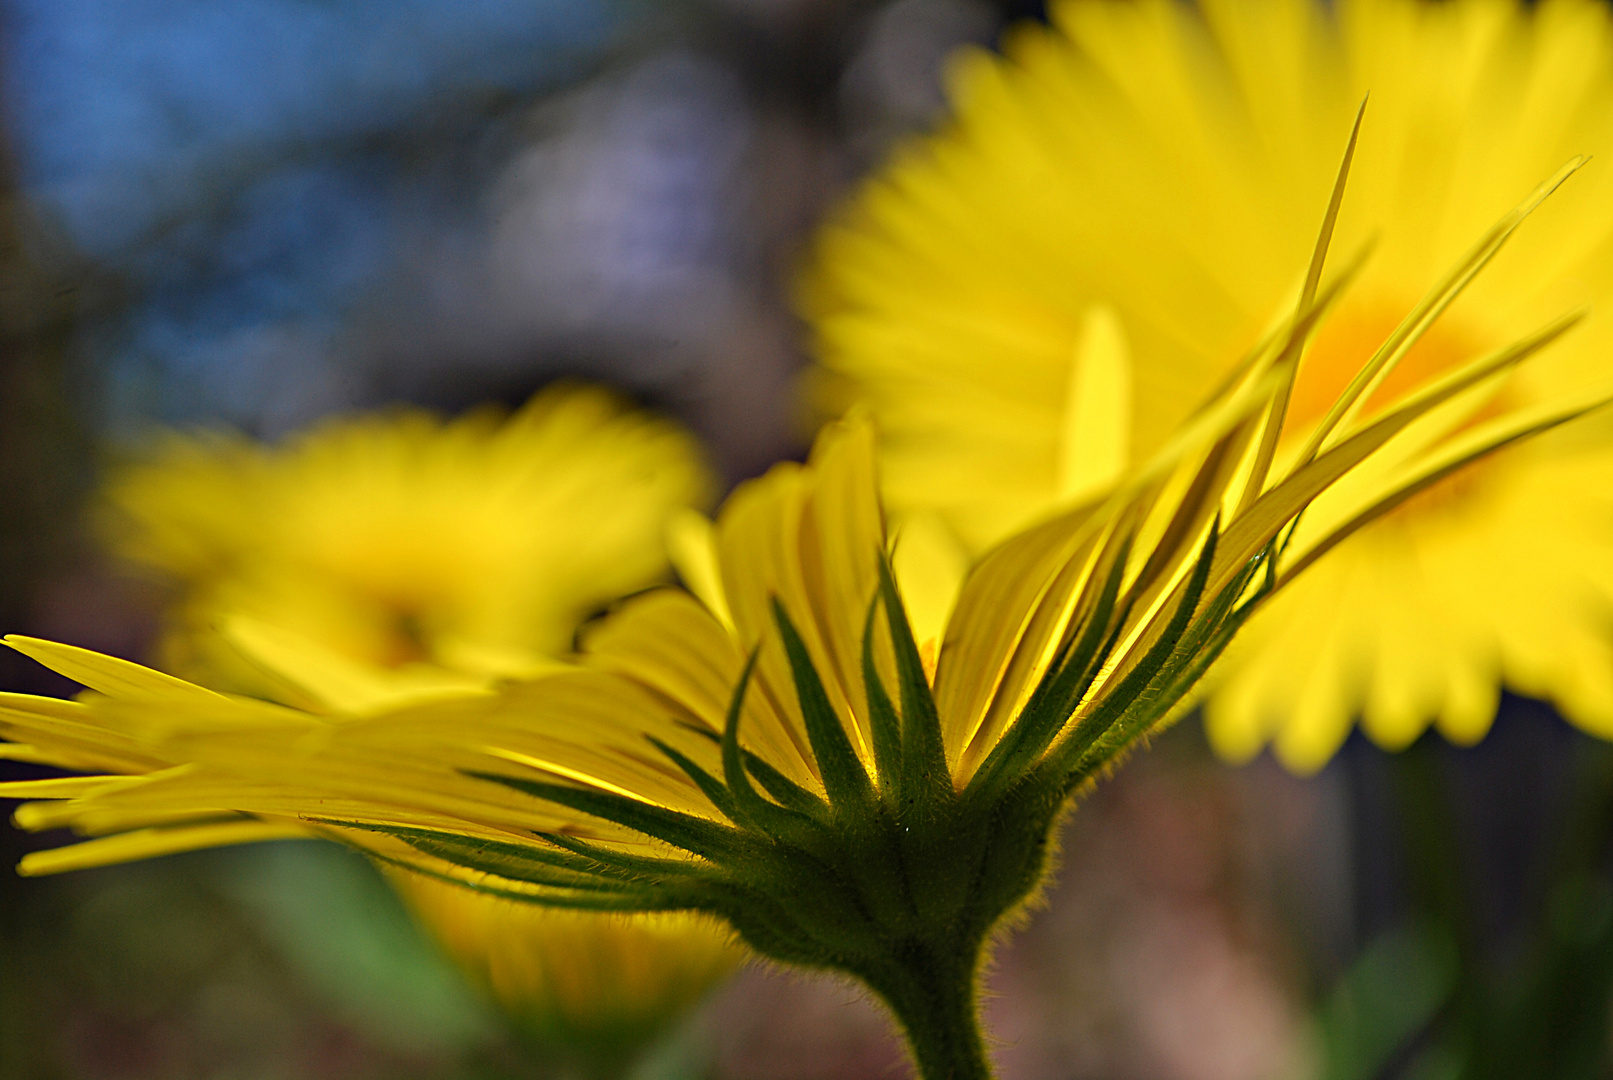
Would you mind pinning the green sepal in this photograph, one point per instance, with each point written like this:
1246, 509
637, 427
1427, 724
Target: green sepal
1090, 745
844, 778
593, 894
1219, 628
1191, 512
749, 807
517, 862
599, 859
784, 790
508, 861
1181, 669
1222, 618
1059, 692
713, 788
698, 836
634, 904
924, 757
882, 718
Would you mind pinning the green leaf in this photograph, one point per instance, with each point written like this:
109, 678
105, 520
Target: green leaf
345, 935
1388, 997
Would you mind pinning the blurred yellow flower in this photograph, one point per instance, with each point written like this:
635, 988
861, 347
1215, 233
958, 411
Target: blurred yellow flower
476, 545
374, 560
1139, 181
594, 983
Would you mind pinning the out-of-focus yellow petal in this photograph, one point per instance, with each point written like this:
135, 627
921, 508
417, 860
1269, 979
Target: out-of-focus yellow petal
929, 564
692, 545
476, 544
1096, 444
317, 672
606, 983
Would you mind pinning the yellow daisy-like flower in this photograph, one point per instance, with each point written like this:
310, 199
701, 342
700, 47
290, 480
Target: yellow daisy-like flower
375, 560
1124, 196
476, 545
779, 748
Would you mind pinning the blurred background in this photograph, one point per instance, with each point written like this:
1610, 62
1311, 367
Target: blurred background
259, 212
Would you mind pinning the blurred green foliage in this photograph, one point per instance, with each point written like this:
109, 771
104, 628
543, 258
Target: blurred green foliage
1433, 1001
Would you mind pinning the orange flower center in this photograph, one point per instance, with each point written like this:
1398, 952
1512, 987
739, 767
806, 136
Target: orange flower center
1341, 348
1345, 343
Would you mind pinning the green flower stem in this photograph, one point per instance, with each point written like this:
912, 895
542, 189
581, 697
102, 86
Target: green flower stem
934, 993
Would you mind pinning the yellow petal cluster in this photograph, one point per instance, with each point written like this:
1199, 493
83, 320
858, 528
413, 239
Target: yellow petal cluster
1039, 293
380, 559
1215, 521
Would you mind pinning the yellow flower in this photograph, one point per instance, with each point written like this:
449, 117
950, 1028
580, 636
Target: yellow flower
375, 560
1138, 181
780, 751
476, 545
582, 981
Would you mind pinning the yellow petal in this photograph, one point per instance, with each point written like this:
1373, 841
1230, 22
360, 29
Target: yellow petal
106, 674
692, 544
810, 538
150, 843
331, 679
929, 564
1095, 447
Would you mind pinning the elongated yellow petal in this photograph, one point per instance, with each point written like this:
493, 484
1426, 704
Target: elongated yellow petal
809, 538
107, 674
328, 678
66, 787
1432, 306
665, 641
1455, 454
1096, 445
993, 614
149, 843
692, 544
1282, 502
930, 565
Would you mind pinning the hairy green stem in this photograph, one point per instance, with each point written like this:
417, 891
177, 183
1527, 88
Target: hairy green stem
933, 991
